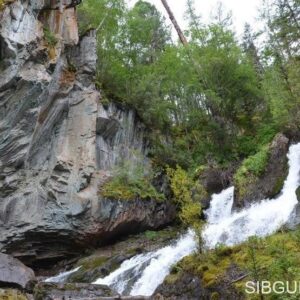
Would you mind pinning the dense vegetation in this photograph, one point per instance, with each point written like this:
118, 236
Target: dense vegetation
216, 99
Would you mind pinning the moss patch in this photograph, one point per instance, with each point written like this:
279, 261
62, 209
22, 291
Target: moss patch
49, 37
12, 294
140, 188
251, 169
273, 258
4, 2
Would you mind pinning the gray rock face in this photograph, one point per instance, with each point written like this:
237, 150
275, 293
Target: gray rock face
53, 291
14, 274
58, 144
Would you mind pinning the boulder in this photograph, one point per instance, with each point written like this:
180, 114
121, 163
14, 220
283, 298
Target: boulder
270, 183
187, 286
213, 179
13, 273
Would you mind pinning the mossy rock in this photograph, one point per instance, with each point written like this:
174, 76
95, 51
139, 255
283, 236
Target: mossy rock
278, 185
4, 2
172, 278
90, 269
12, 294
215, 296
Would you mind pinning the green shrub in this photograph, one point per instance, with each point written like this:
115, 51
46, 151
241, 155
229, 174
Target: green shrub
50, 37
182, 186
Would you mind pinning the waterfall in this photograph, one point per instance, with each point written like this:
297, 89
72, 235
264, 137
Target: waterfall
220, 206
143, 273
62, 277
260, 219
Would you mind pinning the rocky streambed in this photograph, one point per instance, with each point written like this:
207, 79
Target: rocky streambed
20, 282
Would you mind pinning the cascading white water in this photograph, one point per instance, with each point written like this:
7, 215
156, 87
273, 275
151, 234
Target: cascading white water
220, 206
142, 274
260, 219
62, 277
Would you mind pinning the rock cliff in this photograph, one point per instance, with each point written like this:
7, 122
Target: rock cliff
58, 143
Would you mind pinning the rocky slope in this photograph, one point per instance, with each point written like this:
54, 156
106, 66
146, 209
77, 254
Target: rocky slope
58, 143
270, 182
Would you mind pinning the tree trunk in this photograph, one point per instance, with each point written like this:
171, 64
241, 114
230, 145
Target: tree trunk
173, 20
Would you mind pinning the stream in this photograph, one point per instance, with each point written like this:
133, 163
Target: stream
143, 273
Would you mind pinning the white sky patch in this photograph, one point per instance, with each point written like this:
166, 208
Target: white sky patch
242, 11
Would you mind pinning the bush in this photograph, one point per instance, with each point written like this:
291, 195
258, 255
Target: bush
182, 186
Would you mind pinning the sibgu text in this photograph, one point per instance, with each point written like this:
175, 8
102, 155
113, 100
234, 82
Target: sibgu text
277, 287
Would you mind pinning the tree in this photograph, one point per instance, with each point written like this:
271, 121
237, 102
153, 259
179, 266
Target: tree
281, 83
175, 23
254, 265
251, 50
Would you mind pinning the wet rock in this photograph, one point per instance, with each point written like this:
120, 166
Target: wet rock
216, 179
270, 183
294, 219
213, 179
105, 260
13, 273
188, 287
55, 291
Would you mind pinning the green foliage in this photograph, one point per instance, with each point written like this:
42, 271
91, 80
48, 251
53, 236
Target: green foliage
206, 96
130, 182
250, 170
182, 186
151, 235
50, 37
217, 100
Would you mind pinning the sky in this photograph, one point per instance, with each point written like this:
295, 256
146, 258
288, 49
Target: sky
242, 11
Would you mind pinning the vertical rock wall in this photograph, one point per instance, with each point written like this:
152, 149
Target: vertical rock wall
58, 143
